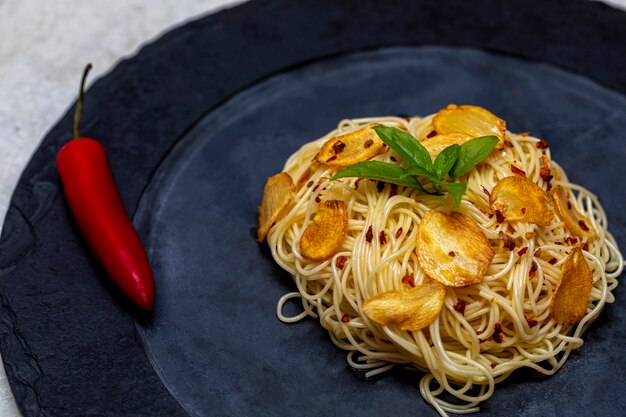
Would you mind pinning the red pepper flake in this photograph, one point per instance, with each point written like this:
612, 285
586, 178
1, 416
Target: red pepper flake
393, 158
316, 187
517, 170
571, 240
408, 280
341, 261
486, 191
509, 245
345, 318
552, 261
508, 143
309, 184
332, 158
523, 210
542, 144
537, 253
318, 199
369, 235
549, 186
431, 134
531, 322
586, 246
499, 216
368, 143
533, 270
338, 146
451, 253
382, 237
460, 307
380, 185
304, 177
522, 251
394, 190
398, 233
497, 333
525, 134
529, 235
490, 215
356, 184
569, 205
583, 225
510, 229
492, 364
509, 242
545, 174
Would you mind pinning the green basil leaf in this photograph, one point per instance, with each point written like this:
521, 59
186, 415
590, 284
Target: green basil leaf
417, 170
381, 171
405, 145
471, 153
456, 189
445, 160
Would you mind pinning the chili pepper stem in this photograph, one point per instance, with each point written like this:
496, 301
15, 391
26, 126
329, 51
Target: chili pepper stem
79, 102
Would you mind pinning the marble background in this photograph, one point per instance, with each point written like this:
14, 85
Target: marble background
43, 48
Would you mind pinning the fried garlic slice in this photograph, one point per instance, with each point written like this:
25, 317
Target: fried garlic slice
279, 192
519, 199
411, 309
348, 149
570, 298
438, 143
574, 221
470, 120
452, 249
325, 234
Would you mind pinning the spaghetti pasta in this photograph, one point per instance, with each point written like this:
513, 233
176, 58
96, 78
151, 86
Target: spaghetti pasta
484, 331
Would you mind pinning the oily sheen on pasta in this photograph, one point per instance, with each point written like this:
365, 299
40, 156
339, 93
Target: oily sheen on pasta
484, 330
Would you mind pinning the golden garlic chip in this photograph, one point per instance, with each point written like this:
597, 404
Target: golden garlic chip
325, 234
452, 249
438, 143
348, 149
574, 221
278, 193
519, 199
411, 309
471, 120
571, 296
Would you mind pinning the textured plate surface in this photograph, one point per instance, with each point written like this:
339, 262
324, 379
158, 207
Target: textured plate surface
69, 341
215, 311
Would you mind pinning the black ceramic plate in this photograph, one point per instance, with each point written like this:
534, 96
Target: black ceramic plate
194, 125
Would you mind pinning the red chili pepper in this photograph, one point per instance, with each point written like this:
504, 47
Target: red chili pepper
99, 212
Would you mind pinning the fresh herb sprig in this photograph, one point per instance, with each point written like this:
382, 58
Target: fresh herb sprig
453, 162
